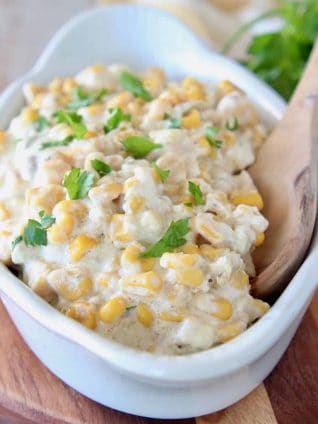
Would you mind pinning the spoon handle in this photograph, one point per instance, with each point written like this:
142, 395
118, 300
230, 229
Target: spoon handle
286, 174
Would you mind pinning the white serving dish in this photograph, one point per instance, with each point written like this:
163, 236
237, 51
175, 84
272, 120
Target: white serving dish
114, 375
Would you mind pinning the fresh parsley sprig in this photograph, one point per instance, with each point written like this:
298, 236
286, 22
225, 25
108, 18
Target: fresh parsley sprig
211, 135
196, 193
35, 232
163, 173
41, 123
78, 183
173, 123
74, 121
232, 125
82, 99
139, 147
173, 238
116, 117
58, 143
101, 167
133, 84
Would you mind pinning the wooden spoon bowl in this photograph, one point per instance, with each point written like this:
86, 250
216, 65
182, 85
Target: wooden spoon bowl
285, 173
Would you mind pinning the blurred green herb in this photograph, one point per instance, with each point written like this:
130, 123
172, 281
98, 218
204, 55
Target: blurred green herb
279, 57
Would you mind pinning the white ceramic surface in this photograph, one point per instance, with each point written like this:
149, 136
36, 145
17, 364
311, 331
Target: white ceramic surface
117, 376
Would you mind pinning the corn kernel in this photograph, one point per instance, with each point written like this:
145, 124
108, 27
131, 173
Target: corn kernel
69, 85
84, 313
55, 85
250, 199
228, 87
61, 231
131, 255
178, 260
211, 253
262, 306
193, 90
229, 138
171, 316
191, 277
75, 292
150, 281
239, 279
190, 248
29, 115
113, 309
104, 280
117, 231
209, 233
205, 145
259, 240
144, 315
81, 246
98, 68
44, 198
114, 190
222, 309
5, 233
90, 134
73, 207
4, 212
192, 120
229, 331
95, 109
130, 183
3, 140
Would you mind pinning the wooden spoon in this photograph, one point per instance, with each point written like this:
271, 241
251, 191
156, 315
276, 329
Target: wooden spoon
285, 173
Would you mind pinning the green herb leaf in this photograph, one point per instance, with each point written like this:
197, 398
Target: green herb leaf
131, 83
34, 234
211, 133
115, 118
16, 241
59, 143
232, 126
46, 221
81, 99
74, 121
173, 123
101, 167
173, 238
139, 147
188, 204
196, 193
163, 174
78, 183
41, 123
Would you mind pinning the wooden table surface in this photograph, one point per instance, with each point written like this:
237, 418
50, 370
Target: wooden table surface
29, 393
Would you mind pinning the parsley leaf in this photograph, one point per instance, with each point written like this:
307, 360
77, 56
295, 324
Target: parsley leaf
46, 221
163, 174
78, 183
74, 121
173, 123
139, 147
211, 133
16, 241
196, 193
101, 167
41, 123
115, 118
131, 83
232, 126
34, 234
59, 143
173, 238
81, 99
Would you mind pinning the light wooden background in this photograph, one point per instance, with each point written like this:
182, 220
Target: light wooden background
29, 393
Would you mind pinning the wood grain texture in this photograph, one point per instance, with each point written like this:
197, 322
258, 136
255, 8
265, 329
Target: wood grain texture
29, 393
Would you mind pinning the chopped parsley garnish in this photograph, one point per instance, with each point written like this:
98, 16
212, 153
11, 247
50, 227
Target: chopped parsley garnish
173, 238
232, 125
74, 121
163, 173
35, 232
196, 193
115, 118
101, 167
78, 183
82, 99
132, 84
139, 147
211, 134
41, 123
172, 122
59, 143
